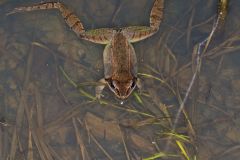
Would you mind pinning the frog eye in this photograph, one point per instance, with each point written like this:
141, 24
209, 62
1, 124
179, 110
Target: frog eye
112, 85
133, 84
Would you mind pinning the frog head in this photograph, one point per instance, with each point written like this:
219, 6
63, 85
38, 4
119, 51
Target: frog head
122, 89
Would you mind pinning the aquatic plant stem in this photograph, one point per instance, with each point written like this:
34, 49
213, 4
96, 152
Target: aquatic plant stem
204, 44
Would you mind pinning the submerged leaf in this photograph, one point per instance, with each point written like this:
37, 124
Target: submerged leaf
160, 155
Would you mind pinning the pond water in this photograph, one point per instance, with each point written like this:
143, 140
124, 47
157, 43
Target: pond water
48, 109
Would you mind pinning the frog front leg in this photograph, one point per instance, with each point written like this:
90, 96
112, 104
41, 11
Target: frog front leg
138, 33
100, 36
99, 88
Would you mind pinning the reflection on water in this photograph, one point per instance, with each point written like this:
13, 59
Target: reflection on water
48, 76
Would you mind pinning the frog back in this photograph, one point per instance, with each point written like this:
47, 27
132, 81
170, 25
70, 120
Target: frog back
119, 58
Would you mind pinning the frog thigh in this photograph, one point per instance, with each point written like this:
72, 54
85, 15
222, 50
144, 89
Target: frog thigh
138, 33
100, 36
133, 61
107, 61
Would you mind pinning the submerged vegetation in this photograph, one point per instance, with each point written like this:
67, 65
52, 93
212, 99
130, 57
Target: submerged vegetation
187, 108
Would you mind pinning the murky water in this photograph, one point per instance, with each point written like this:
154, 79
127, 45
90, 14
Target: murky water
44, 116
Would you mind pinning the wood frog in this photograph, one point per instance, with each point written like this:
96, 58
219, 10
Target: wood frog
119, 58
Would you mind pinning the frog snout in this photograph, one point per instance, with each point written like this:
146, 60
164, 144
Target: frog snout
123, 93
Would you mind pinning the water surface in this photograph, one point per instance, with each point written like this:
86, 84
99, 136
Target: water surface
43, 116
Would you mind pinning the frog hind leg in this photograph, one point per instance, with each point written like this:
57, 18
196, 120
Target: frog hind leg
138, 33
156, 15
100, 36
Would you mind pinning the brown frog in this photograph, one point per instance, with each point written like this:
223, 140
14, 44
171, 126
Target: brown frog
119, 58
